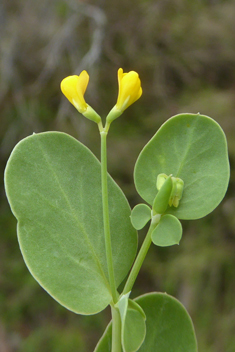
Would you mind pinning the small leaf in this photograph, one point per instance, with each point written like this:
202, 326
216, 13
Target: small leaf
134, 330
122, 305
133, 323
193, 148
53, 184
140, 215
168, 232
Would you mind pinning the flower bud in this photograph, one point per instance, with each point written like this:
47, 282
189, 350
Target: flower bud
177, 191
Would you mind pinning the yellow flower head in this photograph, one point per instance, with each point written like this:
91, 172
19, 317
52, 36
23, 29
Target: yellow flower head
74, 87
129, 89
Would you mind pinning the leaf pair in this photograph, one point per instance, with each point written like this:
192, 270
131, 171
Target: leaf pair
167, 232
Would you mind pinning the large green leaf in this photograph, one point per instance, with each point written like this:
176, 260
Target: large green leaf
53, 184
169, 327
193, 148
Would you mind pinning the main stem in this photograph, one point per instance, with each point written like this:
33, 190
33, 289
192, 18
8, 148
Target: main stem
139, 260
116, 330
107, 235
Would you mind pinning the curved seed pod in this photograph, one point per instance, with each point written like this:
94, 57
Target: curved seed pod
162, 198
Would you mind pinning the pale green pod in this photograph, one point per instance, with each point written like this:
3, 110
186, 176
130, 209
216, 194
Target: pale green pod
161, 200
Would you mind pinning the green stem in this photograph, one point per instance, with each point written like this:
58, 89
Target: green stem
107, 234
139, 260
116, 330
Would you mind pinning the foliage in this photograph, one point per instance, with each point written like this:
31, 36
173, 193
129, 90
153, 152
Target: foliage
80, 254
185, 54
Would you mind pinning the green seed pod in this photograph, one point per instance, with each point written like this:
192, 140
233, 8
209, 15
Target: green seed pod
160, 180
162, 198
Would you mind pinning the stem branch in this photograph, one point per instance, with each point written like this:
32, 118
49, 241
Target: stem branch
139, 260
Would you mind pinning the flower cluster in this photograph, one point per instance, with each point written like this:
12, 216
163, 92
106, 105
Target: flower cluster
74, 88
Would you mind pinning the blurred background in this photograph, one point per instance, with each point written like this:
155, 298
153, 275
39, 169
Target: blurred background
184, 52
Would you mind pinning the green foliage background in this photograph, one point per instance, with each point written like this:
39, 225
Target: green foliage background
184, 52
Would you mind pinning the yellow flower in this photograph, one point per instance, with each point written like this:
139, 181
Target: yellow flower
74, 87
129, 89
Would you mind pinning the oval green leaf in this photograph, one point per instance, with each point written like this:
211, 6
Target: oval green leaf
53, 184
169, 327
140, 215
168, 232
193, 148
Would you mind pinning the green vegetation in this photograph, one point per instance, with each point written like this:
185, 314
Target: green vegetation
185, 54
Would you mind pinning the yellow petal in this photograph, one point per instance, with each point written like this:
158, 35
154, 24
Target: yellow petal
83, 81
